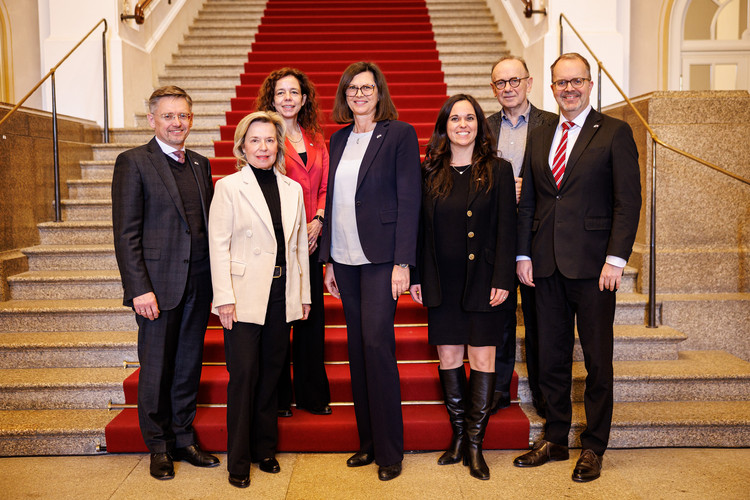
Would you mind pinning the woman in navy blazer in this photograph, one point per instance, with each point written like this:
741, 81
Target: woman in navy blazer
368, 242
290, 93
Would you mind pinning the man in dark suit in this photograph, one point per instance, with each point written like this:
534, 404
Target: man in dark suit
578, 217
161, 193
511, 128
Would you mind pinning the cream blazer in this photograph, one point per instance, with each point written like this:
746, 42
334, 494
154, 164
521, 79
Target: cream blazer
242, 246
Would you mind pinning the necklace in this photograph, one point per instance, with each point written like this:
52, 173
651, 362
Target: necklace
461, 170
300, 136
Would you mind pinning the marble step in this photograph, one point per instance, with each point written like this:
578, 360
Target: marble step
458, 30
211, 120
196, 79
699, 424
201, 60
631, 343
90, 189
75, 232
77, 315
246, 30
223, 21
142, 135
61, 388
69, 257
110, 151
449, 58
66, 284
53, 432
693, 376
87, 210
460, 37
469, 52
67, 349
217, 72
470, 80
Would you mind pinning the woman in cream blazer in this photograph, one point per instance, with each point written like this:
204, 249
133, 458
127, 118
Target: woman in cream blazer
259, 268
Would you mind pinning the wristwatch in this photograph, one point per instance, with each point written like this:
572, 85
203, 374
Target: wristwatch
405, 266
318, 217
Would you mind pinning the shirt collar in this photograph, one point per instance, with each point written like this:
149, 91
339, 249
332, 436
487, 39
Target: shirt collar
578, 120
166, 148
525, 114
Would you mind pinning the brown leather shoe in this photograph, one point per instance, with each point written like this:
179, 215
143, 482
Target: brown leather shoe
543, 452
588, 467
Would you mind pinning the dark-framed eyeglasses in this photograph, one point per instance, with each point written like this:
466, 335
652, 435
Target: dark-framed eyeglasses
183, 117
513, 82
353, 90
577, 83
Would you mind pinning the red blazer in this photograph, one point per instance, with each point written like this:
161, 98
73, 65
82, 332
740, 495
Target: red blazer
313, 177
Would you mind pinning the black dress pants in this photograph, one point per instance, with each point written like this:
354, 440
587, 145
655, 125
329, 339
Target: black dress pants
559, 301
170, 351
369, 309
255, 357
311, 389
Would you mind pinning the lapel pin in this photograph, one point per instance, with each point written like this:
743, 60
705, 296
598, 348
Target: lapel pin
379, 136
596, 126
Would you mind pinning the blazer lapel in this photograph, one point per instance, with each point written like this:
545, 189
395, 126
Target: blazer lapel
201, 180
288, 205
337, 149
589, 129
293, 155
250, 189
378, 138
547, 137
161, 165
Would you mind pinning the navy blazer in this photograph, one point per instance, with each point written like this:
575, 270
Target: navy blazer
595, 212
152, 238
388, 193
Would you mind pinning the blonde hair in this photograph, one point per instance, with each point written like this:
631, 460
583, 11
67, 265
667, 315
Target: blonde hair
263, 117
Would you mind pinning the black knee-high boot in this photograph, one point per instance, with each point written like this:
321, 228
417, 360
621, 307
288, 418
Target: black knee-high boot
454, 391
481, 389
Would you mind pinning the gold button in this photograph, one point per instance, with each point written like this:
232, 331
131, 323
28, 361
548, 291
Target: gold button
468, 213
471, 256
471, 234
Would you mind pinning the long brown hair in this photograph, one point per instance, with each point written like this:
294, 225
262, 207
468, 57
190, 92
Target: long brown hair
309, 115
385, 109
437, 161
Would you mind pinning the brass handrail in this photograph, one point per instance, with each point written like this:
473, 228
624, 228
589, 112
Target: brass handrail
138, 14
655, 140
51, 74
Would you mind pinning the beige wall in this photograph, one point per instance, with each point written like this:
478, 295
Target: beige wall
21, 47
646, 49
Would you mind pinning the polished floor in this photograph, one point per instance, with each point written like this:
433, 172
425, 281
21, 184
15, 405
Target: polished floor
666, 473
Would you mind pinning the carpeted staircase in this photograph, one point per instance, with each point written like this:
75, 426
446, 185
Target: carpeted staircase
64, 335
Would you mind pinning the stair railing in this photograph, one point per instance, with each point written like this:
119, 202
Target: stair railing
139, 12
51, 75
655, 140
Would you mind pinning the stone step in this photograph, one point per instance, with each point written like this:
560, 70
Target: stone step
199, 60
694, 376
457, 30
70, 257
449, 58
98, 169
52, 432
246, 31
142, 135
75, 232
631, 343
219, 50
441, 22
110, 151
218, 21
470, 54
66, 284
61, 388
212, 120
467, 80
664, 424
217, 68
90, 189
87, 210
491, 37
76, 315
67, 349
197, 80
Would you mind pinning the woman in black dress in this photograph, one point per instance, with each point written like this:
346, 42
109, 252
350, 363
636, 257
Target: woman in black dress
465, 267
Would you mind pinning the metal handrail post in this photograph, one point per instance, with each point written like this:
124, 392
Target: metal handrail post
599, 89
104, 78
56, 152
561, 34
652, 244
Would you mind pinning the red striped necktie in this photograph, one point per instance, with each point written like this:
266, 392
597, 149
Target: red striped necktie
558, 166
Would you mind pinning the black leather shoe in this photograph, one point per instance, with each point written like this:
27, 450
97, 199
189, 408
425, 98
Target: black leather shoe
360, 458
326, 410
195, 456
543, 452
588, 467
500, 401
239, 480
270, 465
161, 466
388, 472
284, 412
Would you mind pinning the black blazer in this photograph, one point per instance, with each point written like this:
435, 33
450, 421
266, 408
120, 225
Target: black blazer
152, 239
596, 210
537, 117
490, 238
387, 197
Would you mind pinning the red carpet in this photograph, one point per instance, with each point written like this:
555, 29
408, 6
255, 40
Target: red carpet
322, 38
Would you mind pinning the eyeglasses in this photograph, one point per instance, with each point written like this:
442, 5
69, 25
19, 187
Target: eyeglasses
168, 117
513, 82
367, 90
577, 83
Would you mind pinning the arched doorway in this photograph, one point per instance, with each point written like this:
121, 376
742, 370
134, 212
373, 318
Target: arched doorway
709, 45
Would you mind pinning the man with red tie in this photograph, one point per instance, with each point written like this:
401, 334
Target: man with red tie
578, 216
